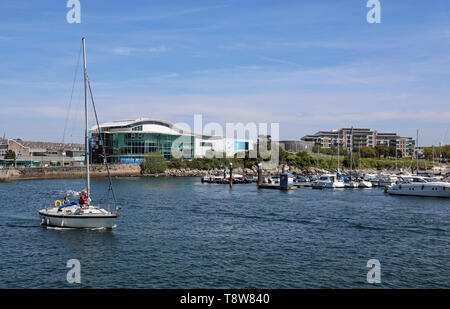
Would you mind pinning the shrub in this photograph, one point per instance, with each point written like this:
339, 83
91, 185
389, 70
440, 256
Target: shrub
154, 163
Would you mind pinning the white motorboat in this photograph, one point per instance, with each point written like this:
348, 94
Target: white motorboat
205, 178
372, 178
418, 188
387, 180
74, 215
328, 181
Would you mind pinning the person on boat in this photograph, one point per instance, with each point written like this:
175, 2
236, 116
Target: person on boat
83, 201
66, 200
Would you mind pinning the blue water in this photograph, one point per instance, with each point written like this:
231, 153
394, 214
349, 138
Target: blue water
179, 233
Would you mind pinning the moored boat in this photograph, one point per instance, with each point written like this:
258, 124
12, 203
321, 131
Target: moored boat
426, 189
364, 184
328, 181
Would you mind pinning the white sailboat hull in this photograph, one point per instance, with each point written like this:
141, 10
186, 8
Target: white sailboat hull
97, 218
351, 184
365, 184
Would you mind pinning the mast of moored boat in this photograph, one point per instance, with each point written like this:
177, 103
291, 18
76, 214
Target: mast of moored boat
338, 153
351, 153
86, 146
417, 153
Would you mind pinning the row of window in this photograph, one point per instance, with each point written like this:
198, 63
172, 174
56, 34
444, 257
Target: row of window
422, 188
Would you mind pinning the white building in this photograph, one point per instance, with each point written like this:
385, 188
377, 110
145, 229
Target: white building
127, 141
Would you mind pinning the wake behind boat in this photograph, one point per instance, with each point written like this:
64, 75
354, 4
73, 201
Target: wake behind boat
81, 214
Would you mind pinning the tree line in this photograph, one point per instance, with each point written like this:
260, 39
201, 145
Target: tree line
378, 158
379, 151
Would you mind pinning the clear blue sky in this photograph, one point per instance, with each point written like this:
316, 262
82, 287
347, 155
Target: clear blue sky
309, 65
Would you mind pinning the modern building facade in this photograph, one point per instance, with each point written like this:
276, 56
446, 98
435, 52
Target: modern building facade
359, 137
127, 141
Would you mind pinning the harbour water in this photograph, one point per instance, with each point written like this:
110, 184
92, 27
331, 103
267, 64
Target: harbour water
180, 233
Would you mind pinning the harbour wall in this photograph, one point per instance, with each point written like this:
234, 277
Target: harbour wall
134, 170
59, 172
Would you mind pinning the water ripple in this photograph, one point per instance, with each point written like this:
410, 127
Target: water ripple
179, 233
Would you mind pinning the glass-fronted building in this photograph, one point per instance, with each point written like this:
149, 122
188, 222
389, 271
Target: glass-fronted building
127, 142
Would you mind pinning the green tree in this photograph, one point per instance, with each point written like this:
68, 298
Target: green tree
250, 160
10, 155
382, 151
154, 163
176, 163
300, 160
428, 152
392, 151
347, 160
283, 156
368, 152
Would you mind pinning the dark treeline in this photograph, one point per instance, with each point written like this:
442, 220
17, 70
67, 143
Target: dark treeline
377, 158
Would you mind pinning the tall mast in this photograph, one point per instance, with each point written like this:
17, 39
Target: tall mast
338, 153
417, 153
86, 146
396, 143
433, 154
359, 149
351, 152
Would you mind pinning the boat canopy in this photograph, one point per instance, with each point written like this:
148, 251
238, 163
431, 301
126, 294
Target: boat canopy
67, 205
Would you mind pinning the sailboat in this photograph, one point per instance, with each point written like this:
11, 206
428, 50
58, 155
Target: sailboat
351, 183
329, 180
74, 215
362, 183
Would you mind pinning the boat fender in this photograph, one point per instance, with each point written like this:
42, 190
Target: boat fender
58, 203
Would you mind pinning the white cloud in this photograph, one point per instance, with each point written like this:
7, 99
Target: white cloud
159, 49
128, 51
123, 51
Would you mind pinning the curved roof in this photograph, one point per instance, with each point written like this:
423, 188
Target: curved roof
148, 126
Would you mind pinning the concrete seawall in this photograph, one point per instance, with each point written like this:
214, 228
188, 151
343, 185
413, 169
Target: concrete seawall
29, 173
134, 170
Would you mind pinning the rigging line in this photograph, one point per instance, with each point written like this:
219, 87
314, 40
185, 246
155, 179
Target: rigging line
103, 142
444, 137
71, 94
